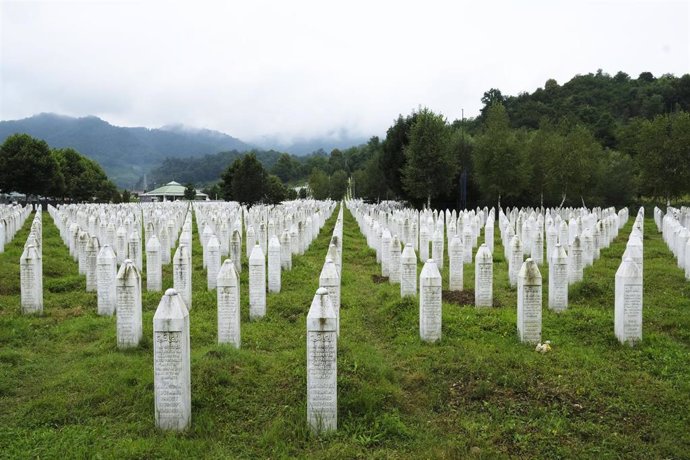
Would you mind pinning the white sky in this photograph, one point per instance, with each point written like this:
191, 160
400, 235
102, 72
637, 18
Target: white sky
296, 68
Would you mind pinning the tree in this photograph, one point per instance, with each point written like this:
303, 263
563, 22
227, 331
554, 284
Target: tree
336, 161
430, 166
543, 149
664, 155
84, 179
392, 159
27, 165
616, 183
244, 180
318, 183
285, 168
275, 191
213, 191
572, 169
489, 99
500, 162
189, 192
338, 185
369, 183
126, 196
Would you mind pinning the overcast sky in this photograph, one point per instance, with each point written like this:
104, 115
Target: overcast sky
297, 68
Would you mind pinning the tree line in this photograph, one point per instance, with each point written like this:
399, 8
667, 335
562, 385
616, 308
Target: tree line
29, 166
597, 140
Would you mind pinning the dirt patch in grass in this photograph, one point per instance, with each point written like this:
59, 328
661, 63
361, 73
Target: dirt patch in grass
60, 314
465, 297
377, 279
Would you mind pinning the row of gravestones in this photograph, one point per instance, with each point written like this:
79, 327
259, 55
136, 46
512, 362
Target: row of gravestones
597, 228
284, 231
12, 218
31, 268
571, 244
323, 330
171, 321
629, 286
674, 226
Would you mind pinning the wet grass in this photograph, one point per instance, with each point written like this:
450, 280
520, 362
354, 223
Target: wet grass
65, 389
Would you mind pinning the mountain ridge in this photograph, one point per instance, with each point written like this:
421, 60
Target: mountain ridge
125, 153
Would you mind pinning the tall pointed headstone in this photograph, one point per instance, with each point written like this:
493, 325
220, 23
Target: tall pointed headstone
171, 364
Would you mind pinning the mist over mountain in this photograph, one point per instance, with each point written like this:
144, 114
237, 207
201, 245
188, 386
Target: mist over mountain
124, 153
300, 146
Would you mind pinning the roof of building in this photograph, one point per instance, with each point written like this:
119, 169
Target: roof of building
172, 188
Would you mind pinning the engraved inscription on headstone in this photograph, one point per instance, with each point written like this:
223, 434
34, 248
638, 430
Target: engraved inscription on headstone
171, 358
322, 364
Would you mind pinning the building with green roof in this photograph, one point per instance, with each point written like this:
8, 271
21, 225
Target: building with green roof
170, 192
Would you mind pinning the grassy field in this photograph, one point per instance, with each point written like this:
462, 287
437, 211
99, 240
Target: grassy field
66, 391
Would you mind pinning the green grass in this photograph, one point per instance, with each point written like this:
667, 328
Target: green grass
67, 391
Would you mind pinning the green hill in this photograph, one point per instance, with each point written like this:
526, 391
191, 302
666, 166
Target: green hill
124, 153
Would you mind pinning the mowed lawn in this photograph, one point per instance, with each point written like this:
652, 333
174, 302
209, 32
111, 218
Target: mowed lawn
66, 391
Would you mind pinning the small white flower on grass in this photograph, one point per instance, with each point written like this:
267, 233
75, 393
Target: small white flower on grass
543, 347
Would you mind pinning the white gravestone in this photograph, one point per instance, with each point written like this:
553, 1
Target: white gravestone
106, 273
483, 277
228, 291
30, 272
455, 264
322, 364
408, 272
529, 303
514, 260
92, 249
128, 305
182, 274
587, 248
558, 279
212, 251
285, 251
423, 243
154, 269
274, 264
538, 247
551, 241
236, 250
134, 250
437, 249
575, 261
430, 307
333, 253
164, 238
467, 245
330, 280
257, 283
171, 364
385, 253
121, 244
82, 241
394, 267
489, 235
628, 302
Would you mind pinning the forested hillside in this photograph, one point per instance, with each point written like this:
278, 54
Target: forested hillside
124, 153
601, 102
